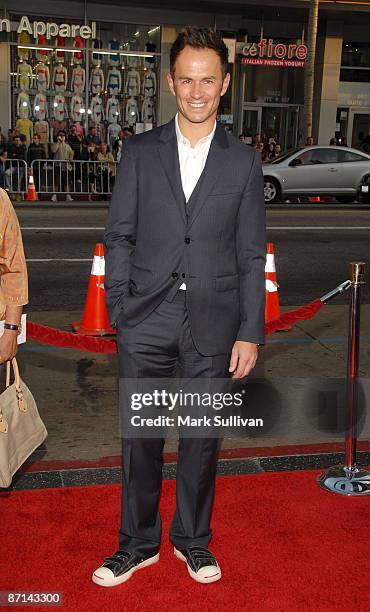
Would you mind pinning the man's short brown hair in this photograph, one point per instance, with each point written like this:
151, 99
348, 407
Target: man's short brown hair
199, 38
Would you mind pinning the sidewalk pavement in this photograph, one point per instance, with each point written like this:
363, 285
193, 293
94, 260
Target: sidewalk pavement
77, 392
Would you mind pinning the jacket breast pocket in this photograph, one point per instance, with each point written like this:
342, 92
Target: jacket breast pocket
226, 283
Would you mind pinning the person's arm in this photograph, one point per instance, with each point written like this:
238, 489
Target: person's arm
13, 279
251, 255
120, 235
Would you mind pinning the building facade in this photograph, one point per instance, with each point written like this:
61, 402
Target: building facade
105, 65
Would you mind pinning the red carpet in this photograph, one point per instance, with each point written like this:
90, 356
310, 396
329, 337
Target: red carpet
283, 544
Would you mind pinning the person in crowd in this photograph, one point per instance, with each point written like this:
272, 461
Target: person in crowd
256, 140
125, 133
92, 137
185, 286
36, 153
75, 142
242, 138
264, 154
106, 170
271, 151
63, 170
13, 278
16, 172
309, 141
277, 150
333, 142
342, 141
89, 170
5, 179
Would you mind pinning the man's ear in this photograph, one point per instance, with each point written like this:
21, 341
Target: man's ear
225, 83
170, 83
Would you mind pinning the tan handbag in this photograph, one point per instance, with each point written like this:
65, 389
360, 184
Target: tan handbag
21, 428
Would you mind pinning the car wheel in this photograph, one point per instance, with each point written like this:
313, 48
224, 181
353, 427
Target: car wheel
345, 199
272, 190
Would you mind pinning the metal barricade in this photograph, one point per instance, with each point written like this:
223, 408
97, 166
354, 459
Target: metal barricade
76, 177
13, 176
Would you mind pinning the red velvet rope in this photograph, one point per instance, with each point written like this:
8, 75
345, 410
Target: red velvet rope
91, 344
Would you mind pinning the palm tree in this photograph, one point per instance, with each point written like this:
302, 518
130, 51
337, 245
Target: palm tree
310, 68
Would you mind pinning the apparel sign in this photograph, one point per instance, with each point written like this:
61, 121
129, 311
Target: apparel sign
268, 53
49, 30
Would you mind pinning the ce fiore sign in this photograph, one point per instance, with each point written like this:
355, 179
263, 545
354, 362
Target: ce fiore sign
268, 53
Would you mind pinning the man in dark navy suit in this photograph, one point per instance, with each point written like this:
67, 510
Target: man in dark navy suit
185, 257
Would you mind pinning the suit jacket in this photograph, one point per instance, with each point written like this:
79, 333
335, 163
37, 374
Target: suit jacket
215, 242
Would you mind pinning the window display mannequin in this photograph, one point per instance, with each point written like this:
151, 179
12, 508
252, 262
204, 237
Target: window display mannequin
96, 80
57, 126
97, 57
97, 111
24, 76
132, 112
149, 84
132, 83
114, 45
25, 127
112, 111
78, 79
113, 134
76, 104
61, 42
148, 111
23, 39
60, 108
40, 107
42, 76
23, 105
41, 54
78, 43
41, 128
132, 60
114, 81
60, 77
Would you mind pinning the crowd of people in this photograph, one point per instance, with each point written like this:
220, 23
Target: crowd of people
269, 148
95, 177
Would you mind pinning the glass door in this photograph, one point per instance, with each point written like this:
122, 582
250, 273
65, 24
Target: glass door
251, 121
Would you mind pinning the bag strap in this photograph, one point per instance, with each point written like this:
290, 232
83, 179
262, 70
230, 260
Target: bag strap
22, 404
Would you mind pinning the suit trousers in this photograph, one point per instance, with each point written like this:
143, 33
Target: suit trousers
161, 346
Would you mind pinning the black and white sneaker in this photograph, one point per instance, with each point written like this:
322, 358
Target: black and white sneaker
119, 567
202, 565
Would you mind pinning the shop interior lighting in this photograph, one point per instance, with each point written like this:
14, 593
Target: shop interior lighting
153, 30
95, 51
32, 47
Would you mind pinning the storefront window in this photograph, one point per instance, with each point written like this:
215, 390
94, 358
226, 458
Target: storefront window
355, 64
108, 80
267, 84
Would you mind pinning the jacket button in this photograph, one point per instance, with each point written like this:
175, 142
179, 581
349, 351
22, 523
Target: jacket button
175, 275
187, 240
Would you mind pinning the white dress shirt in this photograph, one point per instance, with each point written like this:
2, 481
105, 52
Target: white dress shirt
192, 161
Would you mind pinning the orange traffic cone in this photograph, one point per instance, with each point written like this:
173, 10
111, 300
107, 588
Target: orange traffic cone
95, 320
272, 308
31, 191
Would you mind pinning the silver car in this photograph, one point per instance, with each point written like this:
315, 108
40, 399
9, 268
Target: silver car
332, 170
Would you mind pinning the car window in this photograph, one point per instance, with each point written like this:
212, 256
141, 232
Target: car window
350, 156
317, 156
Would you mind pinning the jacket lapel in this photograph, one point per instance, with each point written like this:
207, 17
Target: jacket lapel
211, 172
169, 156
